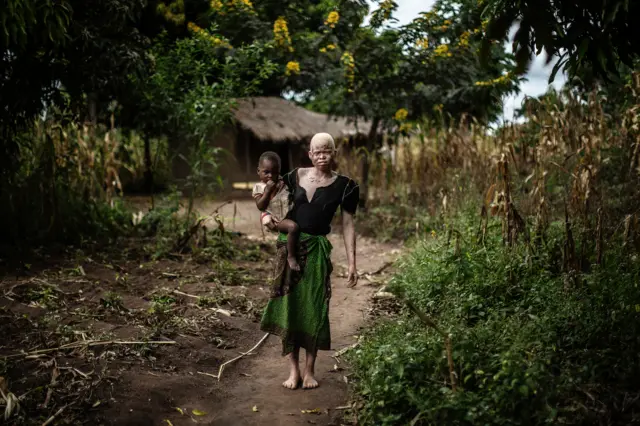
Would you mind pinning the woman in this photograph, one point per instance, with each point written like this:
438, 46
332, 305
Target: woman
298, 310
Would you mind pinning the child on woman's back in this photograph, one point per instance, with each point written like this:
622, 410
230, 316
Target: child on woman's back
272, 199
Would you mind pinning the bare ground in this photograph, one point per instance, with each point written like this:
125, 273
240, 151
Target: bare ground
116, 294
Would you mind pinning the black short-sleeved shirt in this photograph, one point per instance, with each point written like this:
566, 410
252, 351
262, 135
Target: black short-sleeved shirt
315, 217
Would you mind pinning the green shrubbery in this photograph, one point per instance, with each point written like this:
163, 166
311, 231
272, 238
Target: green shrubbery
530, 345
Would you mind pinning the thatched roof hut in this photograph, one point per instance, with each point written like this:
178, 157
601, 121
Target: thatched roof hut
272, 124
279, 120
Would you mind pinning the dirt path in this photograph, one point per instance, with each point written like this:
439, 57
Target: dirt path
118, 293
267, 369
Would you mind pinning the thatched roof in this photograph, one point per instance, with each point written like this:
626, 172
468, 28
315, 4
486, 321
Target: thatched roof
279, 120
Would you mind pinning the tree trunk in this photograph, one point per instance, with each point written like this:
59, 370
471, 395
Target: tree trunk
92, 108
148, 164
365, 163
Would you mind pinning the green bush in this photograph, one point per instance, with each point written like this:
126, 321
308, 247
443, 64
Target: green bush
530, 345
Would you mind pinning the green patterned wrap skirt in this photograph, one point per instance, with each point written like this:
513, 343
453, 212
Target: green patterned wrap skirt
298, 308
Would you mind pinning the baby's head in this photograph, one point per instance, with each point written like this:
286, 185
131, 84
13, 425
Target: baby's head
322, 150
269, 167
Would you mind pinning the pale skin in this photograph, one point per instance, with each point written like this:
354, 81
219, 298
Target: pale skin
312, 178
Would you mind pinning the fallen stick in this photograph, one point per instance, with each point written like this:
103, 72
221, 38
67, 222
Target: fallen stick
52, 418
222, 311
91, 343
208, 374
54, 376
217, 310
345, 350
241, 355
343, 407
221, 206
447, 341
178, 292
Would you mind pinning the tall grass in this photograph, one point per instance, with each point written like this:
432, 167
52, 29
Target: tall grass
527, 254
65, 184
567, 153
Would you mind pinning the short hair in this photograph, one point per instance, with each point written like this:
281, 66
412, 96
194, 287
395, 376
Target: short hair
271, 156
322, 139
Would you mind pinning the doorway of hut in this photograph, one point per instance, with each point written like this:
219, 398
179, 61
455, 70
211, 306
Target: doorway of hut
248, 150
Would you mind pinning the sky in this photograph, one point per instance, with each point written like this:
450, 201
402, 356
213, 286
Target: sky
537, 76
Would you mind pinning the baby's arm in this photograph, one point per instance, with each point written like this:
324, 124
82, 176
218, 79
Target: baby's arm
262, 200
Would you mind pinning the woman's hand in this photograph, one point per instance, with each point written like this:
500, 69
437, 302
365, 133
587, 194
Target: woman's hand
352, 277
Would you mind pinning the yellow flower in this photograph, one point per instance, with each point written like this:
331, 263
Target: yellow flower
221, 8
328, 47
424, 43
193, 28
293, 67
447, 22
281, 33
464, 39
401, 114
499, 80
442, 51
347, 60
349, 68
172, 12
387, 8
332, 19
204, 34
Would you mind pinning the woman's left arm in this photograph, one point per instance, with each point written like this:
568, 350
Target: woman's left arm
349, 234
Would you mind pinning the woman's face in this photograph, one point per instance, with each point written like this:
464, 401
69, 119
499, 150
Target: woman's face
322, 156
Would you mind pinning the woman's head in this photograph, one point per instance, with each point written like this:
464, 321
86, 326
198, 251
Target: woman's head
269, 166
322, 151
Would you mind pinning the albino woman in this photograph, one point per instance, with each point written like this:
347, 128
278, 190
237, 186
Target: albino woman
298, 309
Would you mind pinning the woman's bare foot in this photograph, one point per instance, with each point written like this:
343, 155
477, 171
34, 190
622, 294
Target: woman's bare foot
293, 263
294, 371
309, 382
293, 381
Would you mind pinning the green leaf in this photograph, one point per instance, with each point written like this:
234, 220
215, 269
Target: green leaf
612, 14
524, 390
555, 70
584, 46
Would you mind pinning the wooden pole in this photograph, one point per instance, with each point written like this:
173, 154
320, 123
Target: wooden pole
247, 155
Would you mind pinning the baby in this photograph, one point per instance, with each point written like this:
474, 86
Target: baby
272, 199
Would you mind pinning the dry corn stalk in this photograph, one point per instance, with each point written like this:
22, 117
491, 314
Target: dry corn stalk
484, 221
542, 207
631, 230
501, 205
599, 238
569, 249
